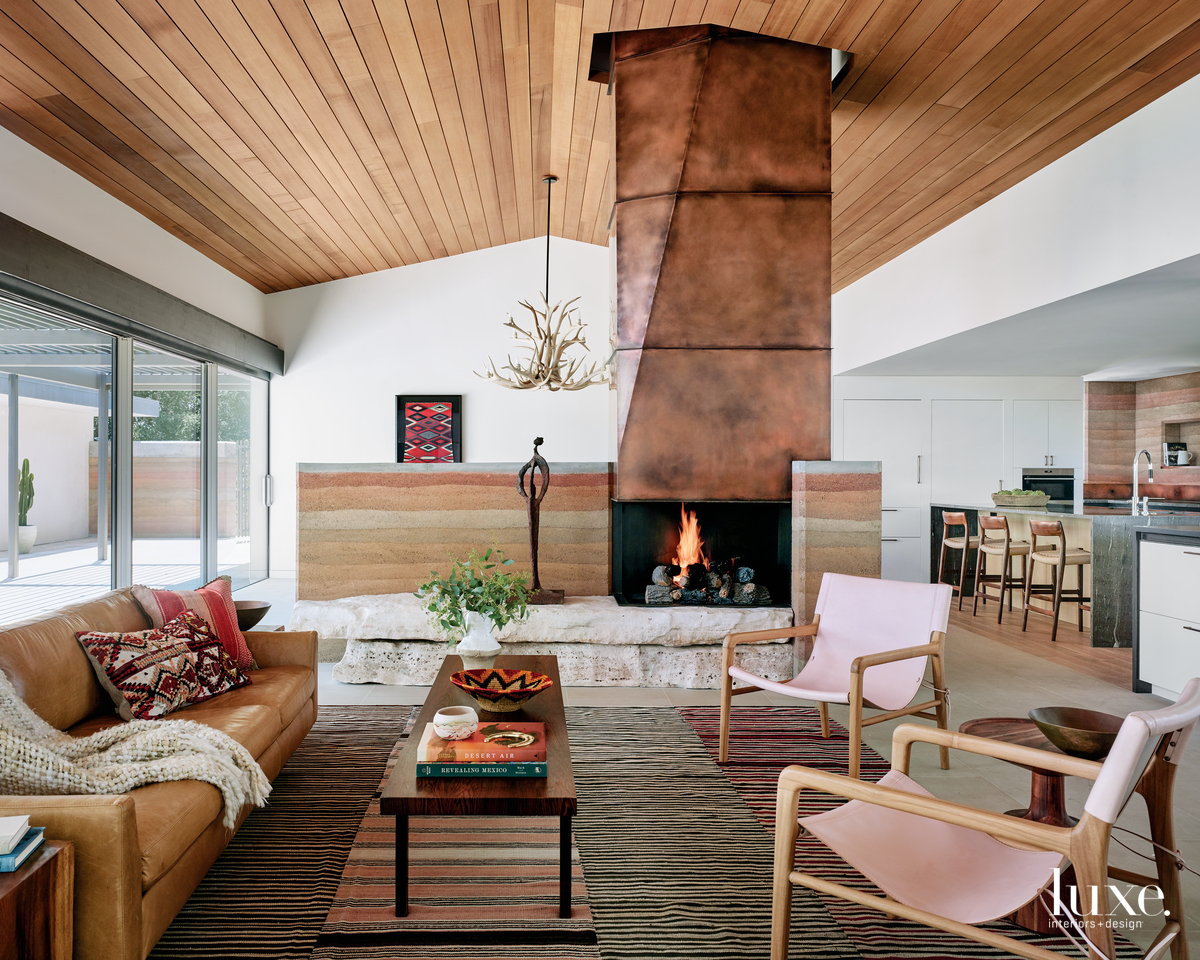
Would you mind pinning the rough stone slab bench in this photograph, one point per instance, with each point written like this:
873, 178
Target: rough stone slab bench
390, 639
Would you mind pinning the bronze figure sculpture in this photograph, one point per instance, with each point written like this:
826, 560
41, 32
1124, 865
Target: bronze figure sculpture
533, 500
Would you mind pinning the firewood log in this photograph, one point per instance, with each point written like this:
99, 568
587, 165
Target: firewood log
745, 574
661, 577
656, 593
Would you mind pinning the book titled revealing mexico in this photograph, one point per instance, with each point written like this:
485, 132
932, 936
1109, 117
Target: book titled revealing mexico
493, 750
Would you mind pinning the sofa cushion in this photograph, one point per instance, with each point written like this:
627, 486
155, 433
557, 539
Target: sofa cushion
285, 689
169, 817
146, 673
48, 667
213, 602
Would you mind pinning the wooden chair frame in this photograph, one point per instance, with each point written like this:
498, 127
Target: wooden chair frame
1054, 592
951, 519
1085, 844
1004, 579
935, 650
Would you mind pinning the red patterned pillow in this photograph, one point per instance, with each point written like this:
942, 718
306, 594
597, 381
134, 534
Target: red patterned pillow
146, 673
214, 668
213, 602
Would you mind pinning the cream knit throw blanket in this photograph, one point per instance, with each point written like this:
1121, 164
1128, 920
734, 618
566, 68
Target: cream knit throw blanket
37, 759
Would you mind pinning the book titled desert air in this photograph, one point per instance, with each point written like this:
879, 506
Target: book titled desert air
503, 749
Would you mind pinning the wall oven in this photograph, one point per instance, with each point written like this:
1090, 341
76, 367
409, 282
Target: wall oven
1059, 482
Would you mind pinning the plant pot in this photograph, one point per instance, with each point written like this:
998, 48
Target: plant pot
26, 536
478, 647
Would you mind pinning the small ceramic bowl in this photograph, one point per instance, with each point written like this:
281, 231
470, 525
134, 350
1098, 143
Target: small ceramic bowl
501, 691
1079, 733
455, 723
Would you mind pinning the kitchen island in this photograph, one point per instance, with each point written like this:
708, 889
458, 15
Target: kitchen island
1104, 527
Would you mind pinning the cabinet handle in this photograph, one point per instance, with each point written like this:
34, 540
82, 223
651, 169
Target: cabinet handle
1051, 459
1193, 629
1192, 553
918, 468
897, 540
890, 509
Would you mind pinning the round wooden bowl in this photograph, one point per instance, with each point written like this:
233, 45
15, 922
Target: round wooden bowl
499, 690
1080, 733
249, 612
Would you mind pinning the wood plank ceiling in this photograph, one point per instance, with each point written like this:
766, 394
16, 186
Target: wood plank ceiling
297, 141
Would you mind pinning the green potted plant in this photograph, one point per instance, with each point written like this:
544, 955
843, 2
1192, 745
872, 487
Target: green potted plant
26, 533
475, 602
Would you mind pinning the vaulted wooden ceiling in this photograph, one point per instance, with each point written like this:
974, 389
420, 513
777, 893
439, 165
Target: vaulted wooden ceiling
297, 141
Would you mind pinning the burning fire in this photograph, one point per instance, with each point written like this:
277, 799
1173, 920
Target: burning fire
691, 547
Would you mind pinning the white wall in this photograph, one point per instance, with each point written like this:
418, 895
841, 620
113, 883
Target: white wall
352, 345
55, 438
1125, 202
42, 193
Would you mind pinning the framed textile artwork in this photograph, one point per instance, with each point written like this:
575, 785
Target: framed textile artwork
429, 429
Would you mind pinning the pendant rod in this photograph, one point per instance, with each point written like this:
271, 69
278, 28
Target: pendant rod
548, 180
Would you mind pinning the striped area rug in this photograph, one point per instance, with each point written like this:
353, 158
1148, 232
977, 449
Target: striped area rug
269, 892
764, 740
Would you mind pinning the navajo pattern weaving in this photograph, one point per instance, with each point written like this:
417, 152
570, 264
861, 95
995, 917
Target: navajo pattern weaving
214, 668
764, 740
428, 432
146, 673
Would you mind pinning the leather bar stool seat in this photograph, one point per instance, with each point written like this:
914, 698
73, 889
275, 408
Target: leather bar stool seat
1054, 553
965, 543
995, 540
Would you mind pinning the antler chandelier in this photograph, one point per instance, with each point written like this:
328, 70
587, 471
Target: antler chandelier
547, 342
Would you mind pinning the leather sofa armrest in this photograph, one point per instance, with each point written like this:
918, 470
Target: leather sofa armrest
278, 649
108, 867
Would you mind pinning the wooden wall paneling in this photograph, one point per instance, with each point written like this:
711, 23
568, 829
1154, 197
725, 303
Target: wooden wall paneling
541, 77
626, 14
783, 17
431, 37
655, 13
333, 53
400, 30
514, 31
843, 115
222, 37
687, 11
593, 193
842, 30
460, 45
278, 176
148, 166
568, 20
750, 15
720, 12
880, 26
390, 49
489, 51
15, 110
586, 112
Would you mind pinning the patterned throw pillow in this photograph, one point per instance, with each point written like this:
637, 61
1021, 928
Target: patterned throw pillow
214, 668
213, 602
146, 673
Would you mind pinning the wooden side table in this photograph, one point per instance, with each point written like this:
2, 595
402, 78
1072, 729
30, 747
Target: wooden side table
37, 905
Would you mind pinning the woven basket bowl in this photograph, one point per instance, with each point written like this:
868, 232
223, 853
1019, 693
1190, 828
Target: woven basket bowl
501, 691
1009, 500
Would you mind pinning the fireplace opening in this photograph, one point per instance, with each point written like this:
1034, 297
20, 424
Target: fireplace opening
700, 553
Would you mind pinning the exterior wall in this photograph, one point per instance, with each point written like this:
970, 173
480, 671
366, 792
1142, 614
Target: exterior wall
381, 528
836, 525
54, 436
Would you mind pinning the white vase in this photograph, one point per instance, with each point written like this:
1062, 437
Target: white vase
26, 536
478, 647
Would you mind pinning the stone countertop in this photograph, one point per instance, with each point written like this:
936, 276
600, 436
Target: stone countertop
1065, 510
600, 620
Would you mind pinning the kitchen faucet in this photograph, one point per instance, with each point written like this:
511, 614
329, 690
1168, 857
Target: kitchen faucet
1149, 479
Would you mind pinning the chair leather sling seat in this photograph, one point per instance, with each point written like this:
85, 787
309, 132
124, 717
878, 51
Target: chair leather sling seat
932, 865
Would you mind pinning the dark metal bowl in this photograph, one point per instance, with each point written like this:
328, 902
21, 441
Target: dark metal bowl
1077, 732
249, 612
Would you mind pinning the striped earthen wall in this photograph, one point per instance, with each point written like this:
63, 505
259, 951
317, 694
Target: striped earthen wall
836, 525
1122, 418
381, 528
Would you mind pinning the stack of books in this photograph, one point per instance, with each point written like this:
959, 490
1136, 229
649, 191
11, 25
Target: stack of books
17, 841
494, 750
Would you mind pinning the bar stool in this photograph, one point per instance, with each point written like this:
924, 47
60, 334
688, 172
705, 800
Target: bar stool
1058, 556
963, 543
998, 544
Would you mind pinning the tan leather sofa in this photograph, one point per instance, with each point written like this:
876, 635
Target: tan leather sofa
139, 856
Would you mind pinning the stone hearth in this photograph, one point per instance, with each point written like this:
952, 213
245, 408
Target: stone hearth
389, 639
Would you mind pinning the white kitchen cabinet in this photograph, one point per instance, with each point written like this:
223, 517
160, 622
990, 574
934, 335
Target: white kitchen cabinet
1167, 600
967, 450
890, 431
1047, 433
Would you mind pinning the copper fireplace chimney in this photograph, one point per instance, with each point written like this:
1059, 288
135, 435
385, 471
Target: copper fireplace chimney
722, 225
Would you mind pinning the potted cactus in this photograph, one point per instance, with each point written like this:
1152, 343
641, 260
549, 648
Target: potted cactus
26, 534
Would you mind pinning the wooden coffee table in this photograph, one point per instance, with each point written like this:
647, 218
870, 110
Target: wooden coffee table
405, 796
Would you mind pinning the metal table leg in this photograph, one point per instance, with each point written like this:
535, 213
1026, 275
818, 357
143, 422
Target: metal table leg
402, 864
564, 866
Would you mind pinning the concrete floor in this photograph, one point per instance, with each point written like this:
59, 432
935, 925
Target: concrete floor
986, 679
